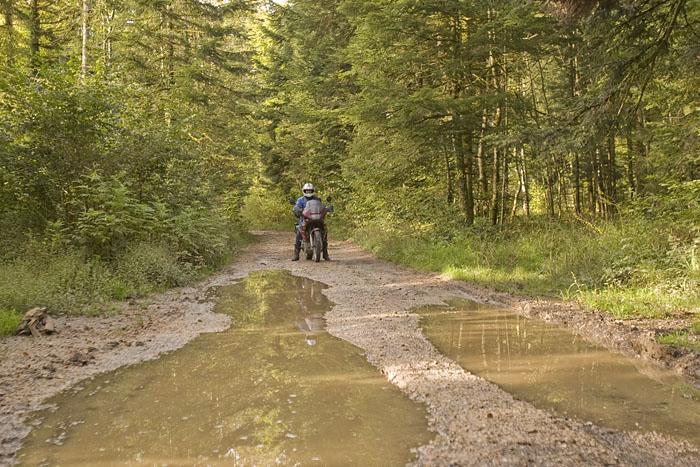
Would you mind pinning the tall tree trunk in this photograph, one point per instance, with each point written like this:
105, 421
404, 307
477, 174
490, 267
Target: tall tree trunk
34, 34
631, 162
449, 195
561, 190
85, 33
549, 189
9, 30
524, 182
516, 198
493, 205
463, 157
171, 52
469, 163
464, 170
577, 183
601, 183
482, 181
591, 184
574, 80
612, 174
496, 166
504, 185
107, 27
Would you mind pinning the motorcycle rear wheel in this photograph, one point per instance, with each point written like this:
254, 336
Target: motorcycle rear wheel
307, 249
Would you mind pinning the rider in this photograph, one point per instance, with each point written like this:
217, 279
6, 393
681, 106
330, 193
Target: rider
308, 190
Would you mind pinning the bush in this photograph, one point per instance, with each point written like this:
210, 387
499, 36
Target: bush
69, 281
146, 267
63, 281
267, 210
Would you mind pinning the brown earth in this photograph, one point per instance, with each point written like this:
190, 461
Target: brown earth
476, 423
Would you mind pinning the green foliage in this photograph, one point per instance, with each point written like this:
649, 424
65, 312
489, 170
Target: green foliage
145, 267
429, 122
64, 282
268, 209
627, 267
9, 320
680, 339
128, 178
68, 281
108, 216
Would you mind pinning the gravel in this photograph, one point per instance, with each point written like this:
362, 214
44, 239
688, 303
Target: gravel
475, 422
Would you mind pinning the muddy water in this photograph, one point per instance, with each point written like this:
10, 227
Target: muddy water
562, 373
274, 389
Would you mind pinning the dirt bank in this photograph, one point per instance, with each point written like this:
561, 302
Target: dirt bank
475, 422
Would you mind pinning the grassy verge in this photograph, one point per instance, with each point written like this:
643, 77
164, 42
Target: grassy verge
9, 320
681, 339
629, 268
68, 282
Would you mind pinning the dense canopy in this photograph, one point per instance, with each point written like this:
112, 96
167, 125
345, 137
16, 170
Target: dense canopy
178, 122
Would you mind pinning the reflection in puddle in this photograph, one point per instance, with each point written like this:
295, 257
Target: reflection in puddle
560, 372
274, 389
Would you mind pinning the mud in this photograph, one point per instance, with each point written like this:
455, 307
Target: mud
562, 373
273, 389
475, 422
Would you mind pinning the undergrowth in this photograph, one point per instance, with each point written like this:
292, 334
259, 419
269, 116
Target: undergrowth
71, 282
680, 339
9, 320
628, 267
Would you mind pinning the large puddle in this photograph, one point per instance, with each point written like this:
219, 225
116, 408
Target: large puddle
560, 372
274, 389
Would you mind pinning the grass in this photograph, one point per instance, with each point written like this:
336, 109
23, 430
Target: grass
69, 283
630, 268
9, 320
680, 339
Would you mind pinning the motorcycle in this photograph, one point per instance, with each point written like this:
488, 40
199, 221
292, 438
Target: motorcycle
313, 229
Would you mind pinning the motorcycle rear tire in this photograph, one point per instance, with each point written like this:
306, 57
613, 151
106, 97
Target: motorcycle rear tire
307, 249
318, 245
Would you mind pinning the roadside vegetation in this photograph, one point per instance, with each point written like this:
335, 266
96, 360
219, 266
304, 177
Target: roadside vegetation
121, 173
628, 268
550, 150
643, 263
547, 148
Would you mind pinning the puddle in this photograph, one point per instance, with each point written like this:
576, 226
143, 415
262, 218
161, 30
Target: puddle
560, 372
274, 389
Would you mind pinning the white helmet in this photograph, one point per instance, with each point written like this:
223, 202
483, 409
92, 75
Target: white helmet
308, 190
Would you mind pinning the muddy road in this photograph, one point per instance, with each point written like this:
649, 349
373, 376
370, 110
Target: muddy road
474, 422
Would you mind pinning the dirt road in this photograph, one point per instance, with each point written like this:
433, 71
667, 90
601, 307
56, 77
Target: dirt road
475, 422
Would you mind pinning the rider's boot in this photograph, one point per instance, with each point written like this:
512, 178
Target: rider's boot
296, 254
325, 252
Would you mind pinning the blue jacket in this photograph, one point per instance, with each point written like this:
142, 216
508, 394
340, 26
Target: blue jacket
301, 204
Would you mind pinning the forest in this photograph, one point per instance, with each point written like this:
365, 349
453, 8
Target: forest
545, 147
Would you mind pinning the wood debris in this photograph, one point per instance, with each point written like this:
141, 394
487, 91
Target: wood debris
36, 322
